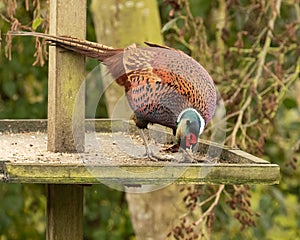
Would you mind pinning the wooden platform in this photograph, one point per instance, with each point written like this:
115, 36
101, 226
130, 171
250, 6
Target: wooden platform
114, 155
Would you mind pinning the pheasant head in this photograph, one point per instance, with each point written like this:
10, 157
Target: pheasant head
190, 124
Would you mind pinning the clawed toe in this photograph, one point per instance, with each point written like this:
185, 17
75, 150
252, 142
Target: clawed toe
157, 158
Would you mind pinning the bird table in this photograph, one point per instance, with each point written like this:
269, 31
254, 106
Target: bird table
56, 152
24, 158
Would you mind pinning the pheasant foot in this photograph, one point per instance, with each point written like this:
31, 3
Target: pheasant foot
151, 155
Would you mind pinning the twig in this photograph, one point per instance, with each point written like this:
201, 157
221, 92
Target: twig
207, 200
239, 121
259, 71
212, 206
262, 58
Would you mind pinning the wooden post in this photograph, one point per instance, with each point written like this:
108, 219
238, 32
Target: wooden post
64, 212
66, 74
65, 127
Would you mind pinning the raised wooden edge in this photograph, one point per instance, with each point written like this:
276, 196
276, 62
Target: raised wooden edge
23, 125
40, 125
132, 175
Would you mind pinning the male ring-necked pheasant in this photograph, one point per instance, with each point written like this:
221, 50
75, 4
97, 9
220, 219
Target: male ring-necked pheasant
162, 85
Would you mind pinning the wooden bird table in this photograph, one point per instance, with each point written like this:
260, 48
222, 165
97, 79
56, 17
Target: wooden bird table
57, 151
25, 159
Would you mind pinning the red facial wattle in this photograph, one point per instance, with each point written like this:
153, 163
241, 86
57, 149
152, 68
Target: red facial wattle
190, 140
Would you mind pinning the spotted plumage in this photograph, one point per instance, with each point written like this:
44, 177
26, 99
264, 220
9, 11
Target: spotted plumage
160, 82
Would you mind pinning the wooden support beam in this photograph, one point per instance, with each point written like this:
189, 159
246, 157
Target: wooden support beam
156, 173
66, 126
66, 74
64, 212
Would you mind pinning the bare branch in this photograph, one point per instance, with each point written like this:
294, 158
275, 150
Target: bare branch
212, 206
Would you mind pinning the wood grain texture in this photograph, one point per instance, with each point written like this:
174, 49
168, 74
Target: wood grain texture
66, 74
64, 212
65, 125
138, 175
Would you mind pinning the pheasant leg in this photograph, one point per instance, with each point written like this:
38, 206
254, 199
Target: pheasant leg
149, 152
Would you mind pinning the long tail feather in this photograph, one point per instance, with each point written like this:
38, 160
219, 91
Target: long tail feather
84, 47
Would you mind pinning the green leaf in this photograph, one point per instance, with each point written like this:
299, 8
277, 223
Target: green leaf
36, 23
290, 102
169, 25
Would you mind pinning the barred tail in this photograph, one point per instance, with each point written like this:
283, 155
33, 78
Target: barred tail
83, 47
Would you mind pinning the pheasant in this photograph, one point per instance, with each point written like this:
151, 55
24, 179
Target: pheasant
163, 85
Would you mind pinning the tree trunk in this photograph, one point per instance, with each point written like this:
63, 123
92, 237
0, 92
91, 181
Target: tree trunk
119, 23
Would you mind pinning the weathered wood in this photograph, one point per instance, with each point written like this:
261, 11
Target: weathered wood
66, 75
66, 129
23, 125
24, 158
40, 125
64, 211
135, 174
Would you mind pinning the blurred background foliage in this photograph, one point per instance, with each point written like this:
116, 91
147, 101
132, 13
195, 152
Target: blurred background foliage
251, 49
